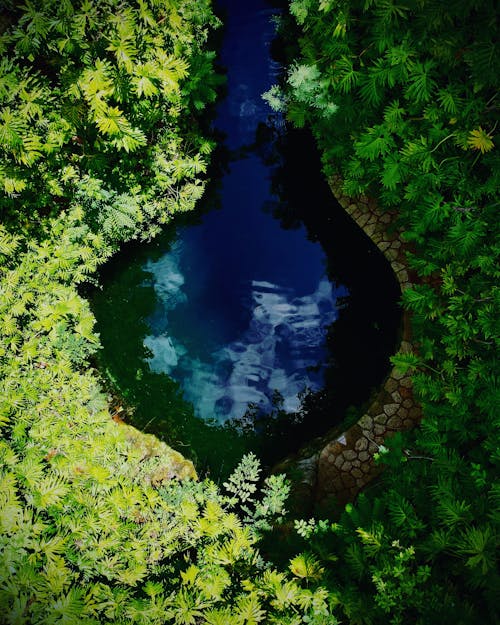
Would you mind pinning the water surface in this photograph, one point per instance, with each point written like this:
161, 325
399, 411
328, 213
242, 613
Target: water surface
255, 322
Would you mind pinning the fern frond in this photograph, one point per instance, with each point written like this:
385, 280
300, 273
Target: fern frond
421, 82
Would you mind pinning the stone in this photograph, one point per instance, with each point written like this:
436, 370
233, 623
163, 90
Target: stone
346, 467
380, 419
391, 385
370, 229
415, 413
339, 461
406, 382
390, 409
159, 463
349, 454
363, 220
379, 430
407, 403
406, 393
394, 423
361, 444
383, 245
402, 412
396, 244
366, 422
386, 218
396, 397
356, 463
408, 423
331, 458
363, 456
357, 473
396, 374
402, 275
365, 467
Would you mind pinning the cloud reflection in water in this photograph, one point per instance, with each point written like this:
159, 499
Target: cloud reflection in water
281, 348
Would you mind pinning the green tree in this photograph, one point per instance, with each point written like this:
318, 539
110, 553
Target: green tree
405, 109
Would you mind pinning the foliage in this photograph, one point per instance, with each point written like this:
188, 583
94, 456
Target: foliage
99, 145
412, 87
100, 94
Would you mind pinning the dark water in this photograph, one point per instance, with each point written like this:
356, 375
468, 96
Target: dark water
254, 323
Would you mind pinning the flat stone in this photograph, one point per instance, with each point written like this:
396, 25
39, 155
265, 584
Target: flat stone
331, 458
363, 456
406, 393
390, 409
402, 275
339, 461
349, 454
415, 412
391, 385
408, 423
398, 267
379, 430
397, 375
394, 423
380, 419
391, 254
360, 482
357, 473
366, 422
406, 382
383, 245
407, 403
386, 219
346, 467
365, 467
405, 347
370, 229
396, 397
361, 444
356, 463
363, 220
402, 412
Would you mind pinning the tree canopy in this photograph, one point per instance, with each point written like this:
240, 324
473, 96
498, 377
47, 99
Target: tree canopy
100, 144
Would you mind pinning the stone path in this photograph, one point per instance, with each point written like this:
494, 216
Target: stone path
345, 465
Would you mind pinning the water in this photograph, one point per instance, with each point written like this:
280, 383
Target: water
255, 322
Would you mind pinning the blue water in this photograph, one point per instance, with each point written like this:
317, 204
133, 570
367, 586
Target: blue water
243, 305
267, 300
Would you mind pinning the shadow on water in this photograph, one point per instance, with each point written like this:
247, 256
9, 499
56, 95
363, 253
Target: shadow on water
253, 323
